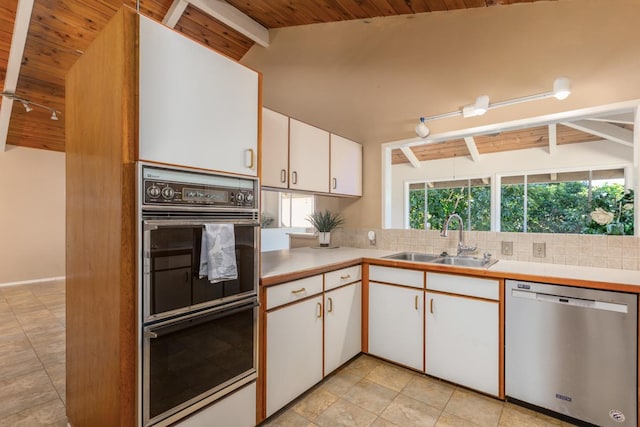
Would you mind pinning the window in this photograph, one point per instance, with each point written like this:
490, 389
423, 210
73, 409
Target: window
430, 203
295, 208
564, 203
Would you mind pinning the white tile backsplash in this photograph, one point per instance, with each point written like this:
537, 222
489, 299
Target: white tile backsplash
619, 252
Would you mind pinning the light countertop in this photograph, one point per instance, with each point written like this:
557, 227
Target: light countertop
298, 262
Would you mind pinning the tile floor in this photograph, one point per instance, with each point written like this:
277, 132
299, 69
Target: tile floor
370, 392
32, 355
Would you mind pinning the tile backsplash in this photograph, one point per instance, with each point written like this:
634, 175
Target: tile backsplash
620, 252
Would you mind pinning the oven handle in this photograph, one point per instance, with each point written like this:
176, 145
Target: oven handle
151, 332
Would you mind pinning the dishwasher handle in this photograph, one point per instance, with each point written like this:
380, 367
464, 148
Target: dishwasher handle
575, 302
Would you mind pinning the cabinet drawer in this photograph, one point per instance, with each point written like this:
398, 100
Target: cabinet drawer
333, 279
399, 276
293, 291
464, 285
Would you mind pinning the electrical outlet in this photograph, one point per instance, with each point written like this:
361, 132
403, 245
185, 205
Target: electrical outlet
507, 248
539, 250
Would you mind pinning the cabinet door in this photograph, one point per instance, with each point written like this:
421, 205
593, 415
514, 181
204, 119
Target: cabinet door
275, 149
308, 157
346, 166
294, 351
396, 323
462, 341
342, 325
197, 108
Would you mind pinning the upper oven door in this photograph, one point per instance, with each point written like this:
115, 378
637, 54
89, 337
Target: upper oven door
171, 263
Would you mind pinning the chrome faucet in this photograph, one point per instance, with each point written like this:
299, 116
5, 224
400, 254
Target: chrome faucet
461, 246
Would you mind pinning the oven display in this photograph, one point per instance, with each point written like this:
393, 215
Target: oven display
204, 195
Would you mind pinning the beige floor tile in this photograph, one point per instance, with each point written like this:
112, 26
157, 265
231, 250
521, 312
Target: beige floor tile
407, 412
448, 420
516, 416
50, 413
370, 396
362, 366
390, 376
57, 373
19, 363
314, 403
429, 390
381, 422
288, 419
27, 391
340, 382
476, 408
345, 414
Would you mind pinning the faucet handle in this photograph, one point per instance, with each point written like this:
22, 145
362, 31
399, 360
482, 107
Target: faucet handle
486, 256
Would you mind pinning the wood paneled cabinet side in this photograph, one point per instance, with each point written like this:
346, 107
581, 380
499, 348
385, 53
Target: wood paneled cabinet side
346, 167
100, 123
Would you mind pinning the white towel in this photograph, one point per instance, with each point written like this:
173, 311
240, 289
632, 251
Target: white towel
218, 253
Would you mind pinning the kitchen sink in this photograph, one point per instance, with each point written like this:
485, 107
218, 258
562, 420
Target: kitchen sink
413, 256
459, 261
465, 261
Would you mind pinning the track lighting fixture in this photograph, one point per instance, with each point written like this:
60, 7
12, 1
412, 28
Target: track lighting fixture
561, 90
28, 104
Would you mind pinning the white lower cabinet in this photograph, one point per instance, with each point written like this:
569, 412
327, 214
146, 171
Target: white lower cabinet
461, 341
396, 323
342, 325
294, 351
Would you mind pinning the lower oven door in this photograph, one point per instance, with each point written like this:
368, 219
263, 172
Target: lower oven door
195, 359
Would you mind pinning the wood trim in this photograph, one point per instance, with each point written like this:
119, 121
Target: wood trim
501, 393
364, 334
261, 382
101, 262
259, 153
453, 294
424, 331
324, 315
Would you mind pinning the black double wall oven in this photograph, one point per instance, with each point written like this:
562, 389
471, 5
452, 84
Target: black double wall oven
200, 257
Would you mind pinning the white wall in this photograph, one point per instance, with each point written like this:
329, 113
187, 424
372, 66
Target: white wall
32, 214
596, 155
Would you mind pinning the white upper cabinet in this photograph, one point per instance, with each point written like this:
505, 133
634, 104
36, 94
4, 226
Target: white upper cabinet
197, 108
275, 149
308, 157
346, 166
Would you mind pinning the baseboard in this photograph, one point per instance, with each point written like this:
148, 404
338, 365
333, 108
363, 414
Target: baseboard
32, 282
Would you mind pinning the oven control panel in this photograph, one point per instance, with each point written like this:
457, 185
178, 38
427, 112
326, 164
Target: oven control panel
174, 187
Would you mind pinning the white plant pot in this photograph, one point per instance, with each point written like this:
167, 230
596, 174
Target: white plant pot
324, 238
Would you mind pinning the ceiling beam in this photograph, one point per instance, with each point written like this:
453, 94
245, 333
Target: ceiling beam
175, 13
473, 149
18, 41
553, 138
411, 156
229, 15
604, 130
622, 118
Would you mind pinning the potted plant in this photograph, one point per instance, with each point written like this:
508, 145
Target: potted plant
324, 222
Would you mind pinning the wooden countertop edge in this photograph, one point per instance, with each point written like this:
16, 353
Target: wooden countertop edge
583, 283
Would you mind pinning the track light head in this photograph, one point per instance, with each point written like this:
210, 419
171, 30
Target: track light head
421, 129
478, 108
27, 107
54, 116
561, 88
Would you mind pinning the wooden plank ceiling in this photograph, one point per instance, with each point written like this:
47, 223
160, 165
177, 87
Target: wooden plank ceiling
60, 30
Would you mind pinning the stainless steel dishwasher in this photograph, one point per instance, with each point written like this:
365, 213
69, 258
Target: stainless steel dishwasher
572, 351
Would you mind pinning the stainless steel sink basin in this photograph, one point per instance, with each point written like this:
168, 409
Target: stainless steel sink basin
465, 261
459, 261
413, 256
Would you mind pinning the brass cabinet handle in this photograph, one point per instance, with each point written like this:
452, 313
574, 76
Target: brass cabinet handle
348, 276
330, 301
319, 310
251, 158
431, 306
297, 291
416, 302
335, 183
283, 176
294, 177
